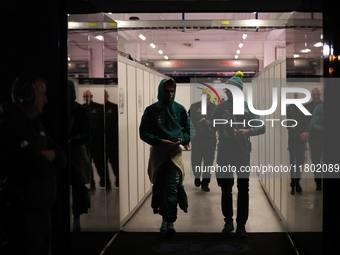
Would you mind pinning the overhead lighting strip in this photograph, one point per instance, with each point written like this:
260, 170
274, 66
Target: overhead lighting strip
197, 24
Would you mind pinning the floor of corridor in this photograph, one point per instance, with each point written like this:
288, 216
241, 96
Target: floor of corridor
204, 212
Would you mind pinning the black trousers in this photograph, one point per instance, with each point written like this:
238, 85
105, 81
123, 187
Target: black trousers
315, 147
205, 153
296, 155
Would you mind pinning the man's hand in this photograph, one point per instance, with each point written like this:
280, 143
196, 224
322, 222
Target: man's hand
304, 136
48, 154
187, 146
169, 143
242, 132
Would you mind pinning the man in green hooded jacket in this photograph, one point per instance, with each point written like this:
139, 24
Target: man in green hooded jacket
165, 125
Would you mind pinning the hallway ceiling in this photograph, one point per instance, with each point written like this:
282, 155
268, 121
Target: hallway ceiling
216, 43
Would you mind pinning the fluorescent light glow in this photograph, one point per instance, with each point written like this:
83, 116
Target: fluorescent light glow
319, 44
109, 13
236, 57
305, 50
240, 45
160, 52
166, 57
142, 37
296, 55
238, 52
152, 45
326, 50
244, 36
68, 59
100, 37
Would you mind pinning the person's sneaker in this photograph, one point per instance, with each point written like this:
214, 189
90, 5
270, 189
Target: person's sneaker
164, 227
205, 187
298, 188
76, 224
228, 228
241, 232
170, 229
197, 182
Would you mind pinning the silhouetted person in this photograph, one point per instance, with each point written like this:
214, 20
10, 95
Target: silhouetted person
204, 145
315, 138
78, 134
297, 138
316, 132
165, 125
97, 140
111, 136
234, 150
29, 161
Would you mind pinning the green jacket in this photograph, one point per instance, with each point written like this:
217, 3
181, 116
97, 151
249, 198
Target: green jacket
163, 120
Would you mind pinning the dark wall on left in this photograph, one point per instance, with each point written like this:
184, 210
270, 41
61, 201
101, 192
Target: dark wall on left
34, 40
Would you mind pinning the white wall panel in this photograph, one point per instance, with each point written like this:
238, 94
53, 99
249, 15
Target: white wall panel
153, 96
132, 135
146, 103
123, 144
140, 143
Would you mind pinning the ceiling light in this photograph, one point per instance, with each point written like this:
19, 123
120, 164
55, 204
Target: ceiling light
236, 56
152, 45
68, 59
160, 52
238, 52
240, 45
166, 57
296, 55
305, 50
244, 36
100, 37
319, 44
109, 13
142, 37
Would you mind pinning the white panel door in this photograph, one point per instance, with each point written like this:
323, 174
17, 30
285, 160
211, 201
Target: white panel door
132, 135
123, 143
140, 143
146, 103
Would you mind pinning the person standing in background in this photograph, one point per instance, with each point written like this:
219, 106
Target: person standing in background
203, 146
29, 160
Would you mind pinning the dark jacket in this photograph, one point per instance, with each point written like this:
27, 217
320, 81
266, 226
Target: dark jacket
96, 112
111, 123
79, 128
202, 134
28, 177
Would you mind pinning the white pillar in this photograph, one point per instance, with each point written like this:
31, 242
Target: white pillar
96, 63
269, 53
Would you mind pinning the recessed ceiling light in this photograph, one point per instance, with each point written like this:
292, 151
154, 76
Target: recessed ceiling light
236, 56
238, 51
244, 36
160, 52
305, 50
152, 45
100, 37
166, 57
240, 45
319, 44
142, 37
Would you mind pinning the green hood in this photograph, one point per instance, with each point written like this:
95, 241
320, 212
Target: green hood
160, 95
